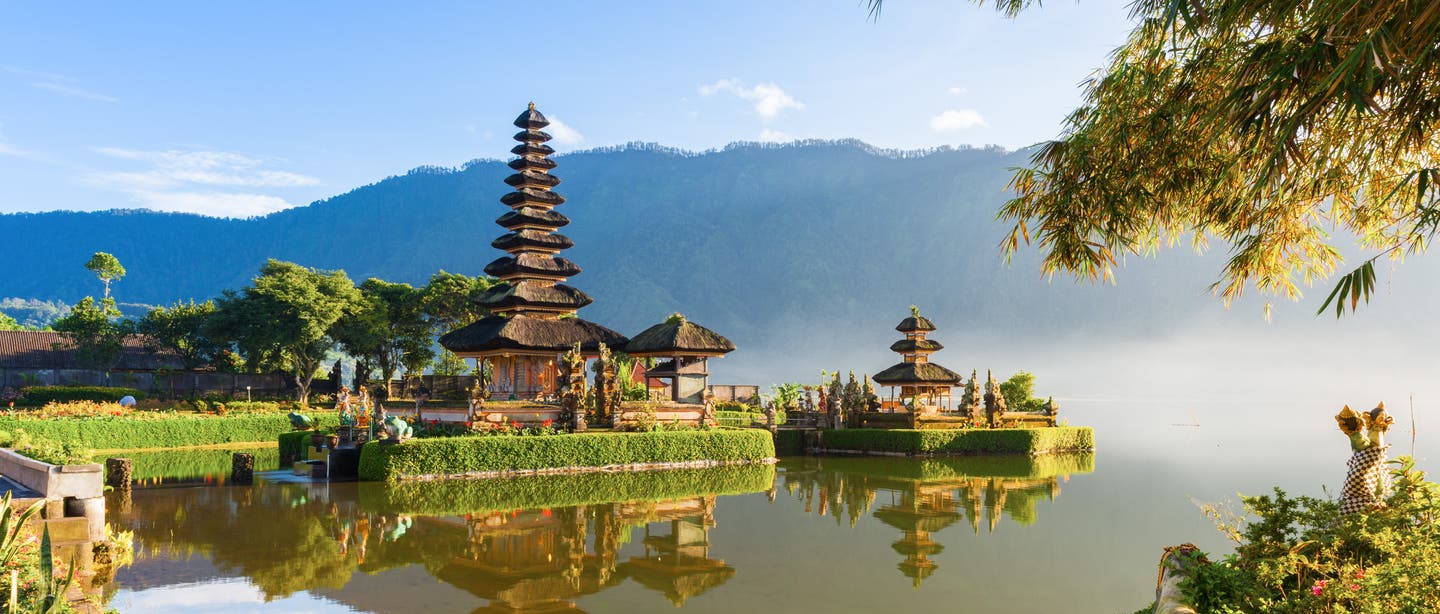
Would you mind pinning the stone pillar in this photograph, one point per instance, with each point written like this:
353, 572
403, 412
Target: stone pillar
117, 473
242, 468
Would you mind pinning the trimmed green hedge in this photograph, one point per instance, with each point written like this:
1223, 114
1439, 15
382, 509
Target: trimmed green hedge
745, 418
169, 431
943, 468
963, 441
456, 455
189, 464
40, 395
458, 497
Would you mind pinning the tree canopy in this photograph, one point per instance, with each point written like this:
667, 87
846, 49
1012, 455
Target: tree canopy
107, 268
388, 328
286, 318
9, 323
183, 329
1279, 128
96, 332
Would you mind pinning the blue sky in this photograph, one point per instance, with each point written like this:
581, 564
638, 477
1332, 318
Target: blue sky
242, 109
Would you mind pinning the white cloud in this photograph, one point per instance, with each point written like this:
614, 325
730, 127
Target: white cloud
6, 149
563, 133
775, 136
956, 119
769, 99
70, 90
214, 204
192, 181
172, 168
957, 91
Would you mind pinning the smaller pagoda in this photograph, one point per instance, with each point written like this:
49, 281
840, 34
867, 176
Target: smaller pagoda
917, 383
685, 348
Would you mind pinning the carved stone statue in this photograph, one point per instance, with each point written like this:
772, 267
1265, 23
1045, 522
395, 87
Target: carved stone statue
707, 414
836, 410
1367, 483
607, 404
854, 399
397, 429
994, 401
872, 400
970, 399
572, 394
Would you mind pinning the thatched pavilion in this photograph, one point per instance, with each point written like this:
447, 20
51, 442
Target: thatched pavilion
686, 348
533, 311
926, 384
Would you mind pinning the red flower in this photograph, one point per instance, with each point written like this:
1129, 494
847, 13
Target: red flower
546, 423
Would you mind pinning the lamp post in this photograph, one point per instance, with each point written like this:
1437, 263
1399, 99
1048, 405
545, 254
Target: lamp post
247, 394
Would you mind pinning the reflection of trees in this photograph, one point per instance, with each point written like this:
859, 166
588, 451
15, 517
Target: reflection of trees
288, 538
923, 497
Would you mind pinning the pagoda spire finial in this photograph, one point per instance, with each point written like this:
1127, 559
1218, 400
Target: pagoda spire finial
532, 105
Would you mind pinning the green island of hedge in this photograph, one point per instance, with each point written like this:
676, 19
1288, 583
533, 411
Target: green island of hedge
433, 498
941, 442
159, 430
459, 456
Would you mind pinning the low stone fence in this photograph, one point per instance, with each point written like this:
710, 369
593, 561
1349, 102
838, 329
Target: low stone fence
79, 487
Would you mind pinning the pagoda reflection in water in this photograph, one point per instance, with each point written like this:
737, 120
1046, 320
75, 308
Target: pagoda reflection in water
921, 498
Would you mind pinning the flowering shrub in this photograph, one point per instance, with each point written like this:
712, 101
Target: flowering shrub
1299, 554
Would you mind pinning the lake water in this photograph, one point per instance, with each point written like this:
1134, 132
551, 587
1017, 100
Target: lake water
1073, 533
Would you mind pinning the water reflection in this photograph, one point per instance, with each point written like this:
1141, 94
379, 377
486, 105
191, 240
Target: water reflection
924, 497
553, 543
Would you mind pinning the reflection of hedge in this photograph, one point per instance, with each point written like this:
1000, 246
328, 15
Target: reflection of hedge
948, 468
456, 455
183, 464
964, 441
40, 395
456, 497
789, 443
123, 433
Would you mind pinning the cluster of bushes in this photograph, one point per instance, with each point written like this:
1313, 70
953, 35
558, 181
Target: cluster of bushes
745, 418
139, 430
789, 443
35, 396
963, 441
44, 449
1299, 554
458, 455
458, 497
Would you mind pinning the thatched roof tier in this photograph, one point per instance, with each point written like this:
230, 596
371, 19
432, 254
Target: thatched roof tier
532, 239
916, 346
678, 577
531, 164
532, 179
915, 324
532, 136
506, 296
532, 265
500, 334
532, 217
930, 521
532, 149
921, 546
531, 197
531, 119
678, 337
917, 374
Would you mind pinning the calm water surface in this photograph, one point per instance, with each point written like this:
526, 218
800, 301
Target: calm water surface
1078, 533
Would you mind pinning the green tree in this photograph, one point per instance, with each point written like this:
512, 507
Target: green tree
1265, 125
286, 319
449, 300
183, 329
388, 329
1019, 392
9, 323
450, 364
107, 268
96, 332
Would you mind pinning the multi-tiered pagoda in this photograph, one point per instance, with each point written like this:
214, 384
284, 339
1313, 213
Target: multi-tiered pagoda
924, 384
533, 310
